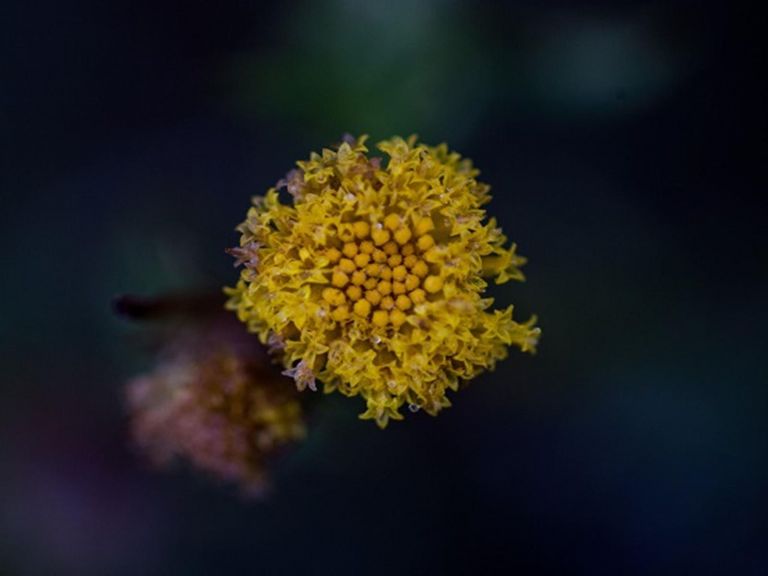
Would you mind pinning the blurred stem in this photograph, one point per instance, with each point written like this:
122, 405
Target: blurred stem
169, 306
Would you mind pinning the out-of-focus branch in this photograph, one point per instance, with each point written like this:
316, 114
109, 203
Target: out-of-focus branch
168, 307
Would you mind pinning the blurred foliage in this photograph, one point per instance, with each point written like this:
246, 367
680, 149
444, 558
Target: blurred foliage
383, 68
439, 67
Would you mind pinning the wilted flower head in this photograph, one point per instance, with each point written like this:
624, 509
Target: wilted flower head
215, 400
372, 279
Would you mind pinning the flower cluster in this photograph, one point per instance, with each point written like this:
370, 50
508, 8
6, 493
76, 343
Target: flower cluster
216, 401
371, 279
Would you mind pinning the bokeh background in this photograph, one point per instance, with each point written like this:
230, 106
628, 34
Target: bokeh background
625, 143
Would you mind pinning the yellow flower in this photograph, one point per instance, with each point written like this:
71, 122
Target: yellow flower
371, 280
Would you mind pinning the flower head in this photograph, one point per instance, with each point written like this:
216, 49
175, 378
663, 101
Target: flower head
216, 401
372, 278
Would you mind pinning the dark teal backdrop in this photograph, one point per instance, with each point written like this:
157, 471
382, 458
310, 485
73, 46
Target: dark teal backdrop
625, 144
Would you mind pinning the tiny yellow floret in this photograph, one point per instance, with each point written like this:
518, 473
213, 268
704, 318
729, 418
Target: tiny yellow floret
349, 250
373, 296
418, 296
380, 318
362, 308
399, 273
380, 236
361, 228
403, 302
392, 222
425, 242
397, 318
339, 279
346, 233
420, 268
347, 266
433, 284
391, 248
411, 282
340, 313
354, 292
359, 277
402, 235
371, 283
424, 225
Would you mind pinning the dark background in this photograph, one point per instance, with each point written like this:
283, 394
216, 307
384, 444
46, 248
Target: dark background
625, 143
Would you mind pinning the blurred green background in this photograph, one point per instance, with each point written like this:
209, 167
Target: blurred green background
625, 144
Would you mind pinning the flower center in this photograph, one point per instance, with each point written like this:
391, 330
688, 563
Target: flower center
380, 271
